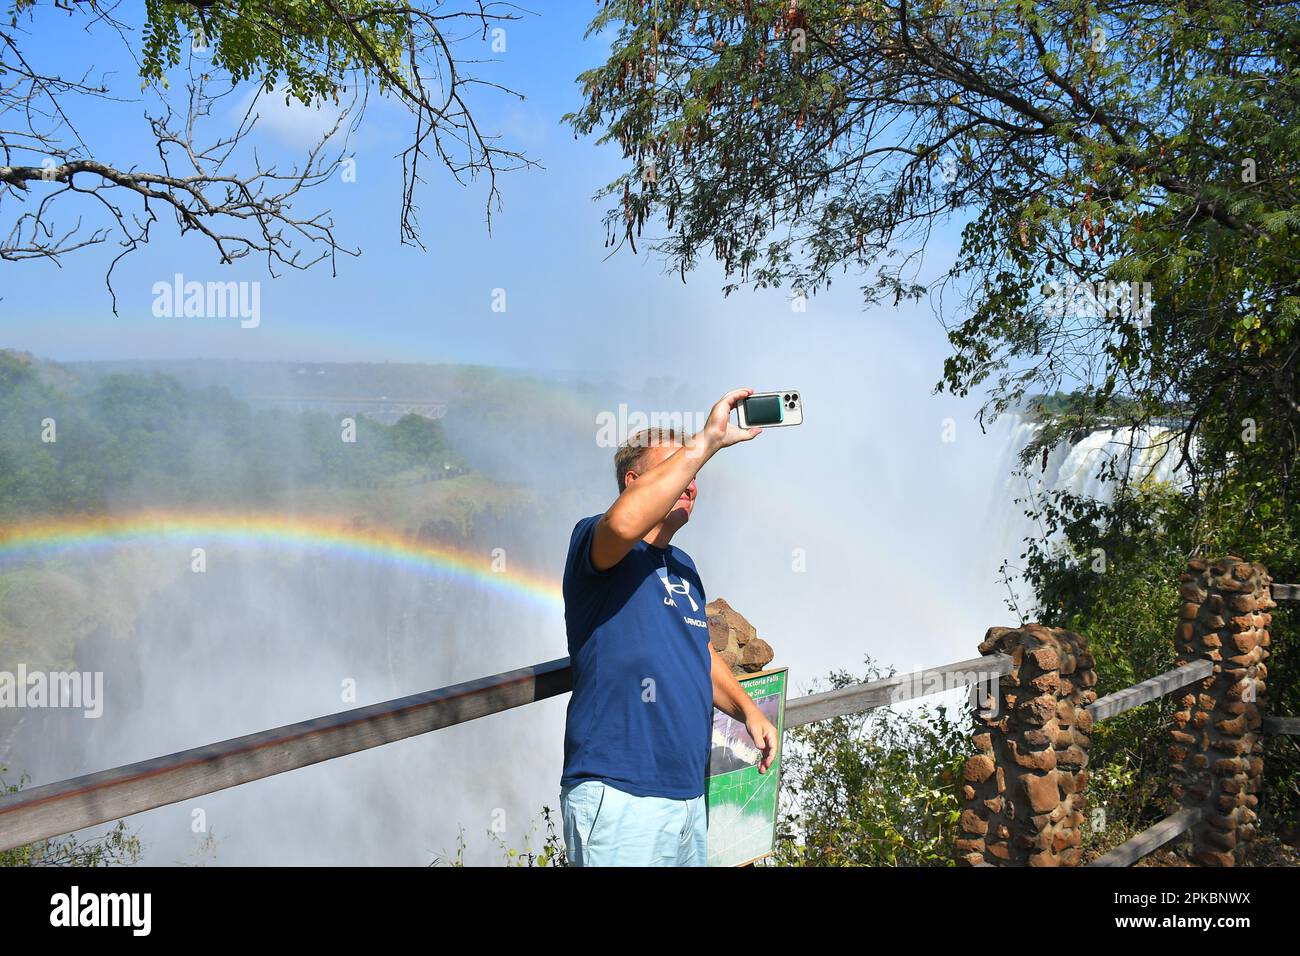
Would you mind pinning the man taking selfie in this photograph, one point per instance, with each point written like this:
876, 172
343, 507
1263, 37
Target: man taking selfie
645, 675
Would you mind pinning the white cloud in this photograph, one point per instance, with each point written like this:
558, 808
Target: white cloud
292, 124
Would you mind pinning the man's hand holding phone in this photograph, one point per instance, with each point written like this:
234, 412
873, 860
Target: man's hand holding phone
719, 431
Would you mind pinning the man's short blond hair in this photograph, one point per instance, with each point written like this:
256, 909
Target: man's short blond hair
629, 454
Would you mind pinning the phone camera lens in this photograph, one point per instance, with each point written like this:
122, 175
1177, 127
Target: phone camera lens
795, 397
787, 397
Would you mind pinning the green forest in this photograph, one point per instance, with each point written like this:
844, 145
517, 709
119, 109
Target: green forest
147, 440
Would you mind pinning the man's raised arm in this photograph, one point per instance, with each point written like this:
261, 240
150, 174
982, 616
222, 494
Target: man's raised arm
650, 497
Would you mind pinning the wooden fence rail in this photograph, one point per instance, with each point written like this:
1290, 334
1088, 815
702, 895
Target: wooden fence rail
1149, 690
70, 805
1152, 838
1282, 726
1180, 822
892, 690
1286, 592
1156, 836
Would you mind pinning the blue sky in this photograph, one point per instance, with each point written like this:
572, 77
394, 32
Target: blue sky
569, 307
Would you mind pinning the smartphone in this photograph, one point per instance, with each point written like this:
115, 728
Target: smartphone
771, 409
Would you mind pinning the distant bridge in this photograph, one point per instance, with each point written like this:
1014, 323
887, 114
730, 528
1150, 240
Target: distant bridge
383, 409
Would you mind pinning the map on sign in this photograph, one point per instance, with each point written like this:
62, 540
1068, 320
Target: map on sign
742, 803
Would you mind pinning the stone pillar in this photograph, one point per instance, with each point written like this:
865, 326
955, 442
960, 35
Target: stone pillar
1217, 744
1023, 790
735, 639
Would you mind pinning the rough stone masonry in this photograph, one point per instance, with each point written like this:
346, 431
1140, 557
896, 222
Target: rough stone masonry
1217, 746
735, 639
1023, 790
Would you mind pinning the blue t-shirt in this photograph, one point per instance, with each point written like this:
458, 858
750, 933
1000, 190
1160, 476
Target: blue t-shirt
641, 715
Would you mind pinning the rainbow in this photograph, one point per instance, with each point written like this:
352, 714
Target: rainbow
50, 537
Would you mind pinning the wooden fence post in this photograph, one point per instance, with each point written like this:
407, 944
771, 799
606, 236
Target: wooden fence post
1217, 747
1024, 787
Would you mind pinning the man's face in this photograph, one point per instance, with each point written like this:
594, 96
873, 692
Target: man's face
681, 512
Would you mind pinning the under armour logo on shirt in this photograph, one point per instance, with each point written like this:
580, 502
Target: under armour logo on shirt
683, 588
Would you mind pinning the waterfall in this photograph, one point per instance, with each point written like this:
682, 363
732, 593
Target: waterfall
1148, 453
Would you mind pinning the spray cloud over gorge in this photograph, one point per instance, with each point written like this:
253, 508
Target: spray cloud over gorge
809, 533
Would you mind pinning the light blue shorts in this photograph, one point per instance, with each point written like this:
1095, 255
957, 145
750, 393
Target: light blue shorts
605, 826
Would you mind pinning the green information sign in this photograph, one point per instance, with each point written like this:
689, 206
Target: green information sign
741, 801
